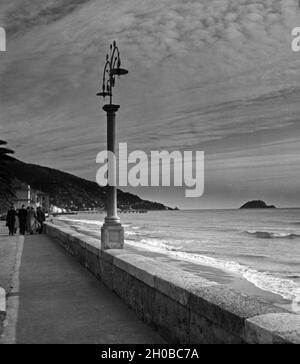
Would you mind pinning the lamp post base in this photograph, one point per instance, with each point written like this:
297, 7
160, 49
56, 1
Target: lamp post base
112, 236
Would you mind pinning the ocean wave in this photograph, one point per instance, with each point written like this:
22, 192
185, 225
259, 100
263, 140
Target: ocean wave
252, 256
286, 288
86, 222
159, 244
130, 233
272, 235
80, 222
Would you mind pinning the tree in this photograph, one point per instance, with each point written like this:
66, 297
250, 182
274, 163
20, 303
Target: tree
6, 186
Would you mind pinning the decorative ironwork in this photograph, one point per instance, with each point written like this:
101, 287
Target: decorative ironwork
112, 69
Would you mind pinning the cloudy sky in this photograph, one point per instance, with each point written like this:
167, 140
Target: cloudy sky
211, 75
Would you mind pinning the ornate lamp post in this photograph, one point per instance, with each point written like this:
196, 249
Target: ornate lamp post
112, 232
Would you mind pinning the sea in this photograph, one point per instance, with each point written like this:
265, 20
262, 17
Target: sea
261, 245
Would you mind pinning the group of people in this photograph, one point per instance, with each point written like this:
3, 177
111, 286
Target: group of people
25, 219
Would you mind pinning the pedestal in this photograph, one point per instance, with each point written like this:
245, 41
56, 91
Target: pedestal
112, 236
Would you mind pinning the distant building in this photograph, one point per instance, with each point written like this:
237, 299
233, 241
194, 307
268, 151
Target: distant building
27, 196
23, 196
57, 210
42, 200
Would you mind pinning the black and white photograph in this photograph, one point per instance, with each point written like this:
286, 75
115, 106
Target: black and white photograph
149, 174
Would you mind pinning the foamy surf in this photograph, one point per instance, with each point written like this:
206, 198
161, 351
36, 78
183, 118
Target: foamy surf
80, 222
83, 222
284, 287
272, 235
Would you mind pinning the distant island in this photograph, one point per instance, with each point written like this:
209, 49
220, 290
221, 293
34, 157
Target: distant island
70, 192
257, 204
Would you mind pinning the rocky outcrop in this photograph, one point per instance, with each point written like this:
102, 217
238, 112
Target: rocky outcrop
257, 204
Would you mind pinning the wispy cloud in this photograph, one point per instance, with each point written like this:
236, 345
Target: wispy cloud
212, 75
23, 15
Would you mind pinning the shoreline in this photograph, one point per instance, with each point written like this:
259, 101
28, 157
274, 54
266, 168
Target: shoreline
222, 277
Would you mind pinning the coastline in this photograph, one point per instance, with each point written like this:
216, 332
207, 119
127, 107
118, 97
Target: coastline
219, 276
222, 277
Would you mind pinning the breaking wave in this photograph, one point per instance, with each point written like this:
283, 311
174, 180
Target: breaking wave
272, 235
80, 222
286, 288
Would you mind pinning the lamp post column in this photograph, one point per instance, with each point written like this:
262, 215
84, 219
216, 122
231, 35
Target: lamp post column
112, 232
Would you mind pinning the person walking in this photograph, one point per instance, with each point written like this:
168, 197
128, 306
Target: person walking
17, 222
30, 220
40, 216
22, 219
10, 220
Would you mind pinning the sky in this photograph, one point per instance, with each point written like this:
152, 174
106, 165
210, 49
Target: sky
217, 76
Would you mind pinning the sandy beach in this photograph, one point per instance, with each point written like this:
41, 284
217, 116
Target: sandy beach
231, 280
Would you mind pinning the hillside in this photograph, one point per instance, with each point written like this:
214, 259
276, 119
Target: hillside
71, 192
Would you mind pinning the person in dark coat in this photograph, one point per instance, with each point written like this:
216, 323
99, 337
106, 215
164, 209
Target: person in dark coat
40, 216
30, 219
22, 219
10, 220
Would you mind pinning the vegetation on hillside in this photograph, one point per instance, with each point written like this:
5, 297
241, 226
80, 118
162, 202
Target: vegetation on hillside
6, 178
70, 192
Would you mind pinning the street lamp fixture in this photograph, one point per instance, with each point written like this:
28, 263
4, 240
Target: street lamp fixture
112, 232
112, 69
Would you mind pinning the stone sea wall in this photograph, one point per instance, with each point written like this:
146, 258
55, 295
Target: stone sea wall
182, 307
2, 308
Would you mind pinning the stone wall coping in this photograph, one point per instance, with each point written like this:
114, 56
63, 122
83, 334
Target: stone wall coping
2, 307
273, 328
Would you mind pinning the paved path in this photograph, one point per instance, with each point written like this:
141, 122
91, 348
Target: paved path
55, 300
8, 248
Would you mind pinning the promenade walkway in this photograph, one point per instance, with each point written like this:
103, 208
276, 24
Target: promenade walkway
53, 299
